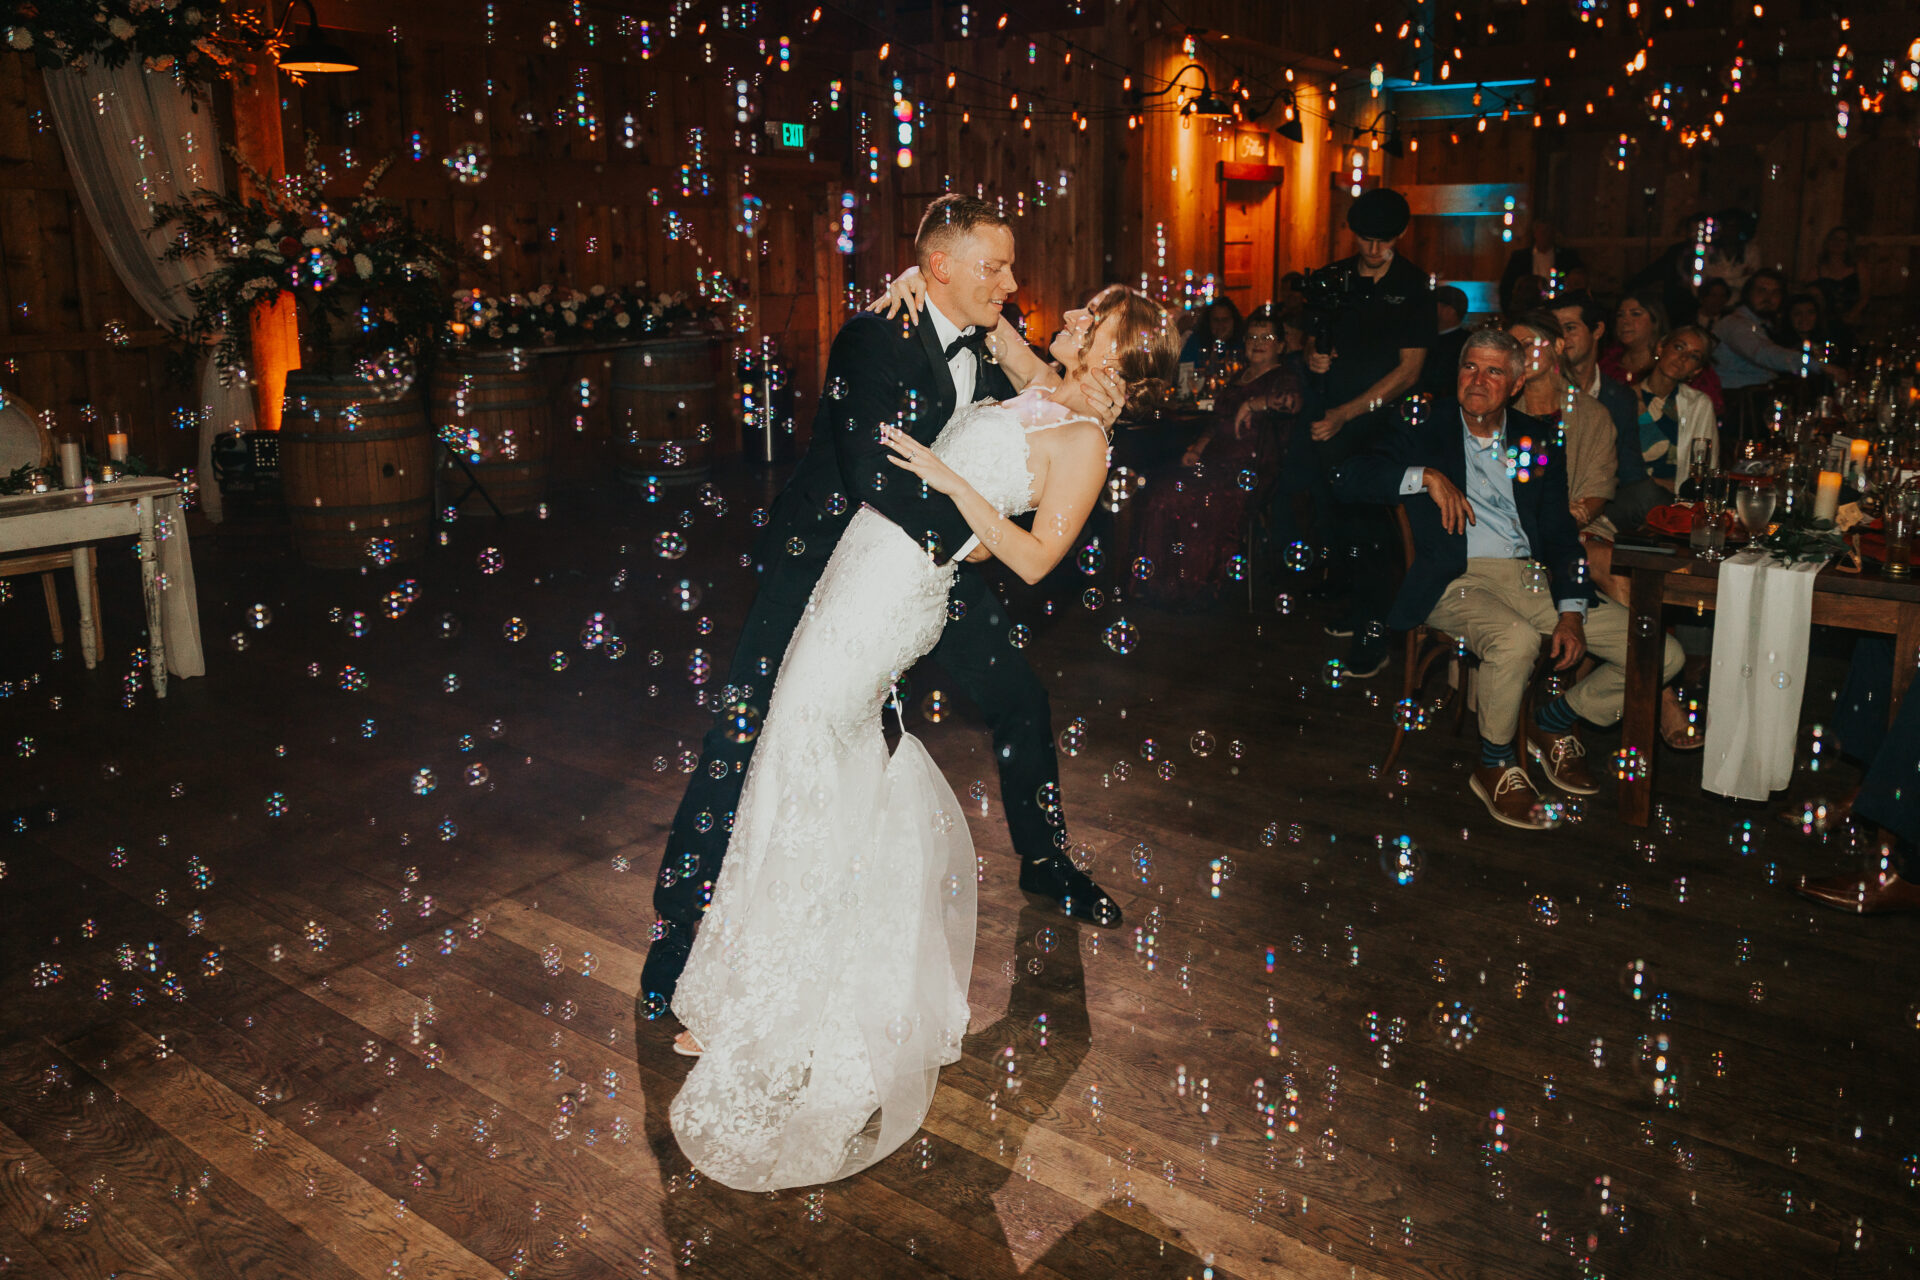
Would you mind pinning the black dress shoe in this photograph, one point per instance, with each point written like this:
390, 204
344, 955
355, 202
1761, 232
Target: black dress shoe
1078, 896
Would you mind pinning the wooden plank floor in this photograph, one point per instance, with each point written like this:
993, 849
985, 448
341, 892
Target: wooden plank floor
276, 1004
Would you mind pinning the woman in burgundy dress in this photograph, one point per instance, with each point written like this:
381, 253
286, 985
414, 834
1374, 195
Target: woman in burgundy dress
1192, 518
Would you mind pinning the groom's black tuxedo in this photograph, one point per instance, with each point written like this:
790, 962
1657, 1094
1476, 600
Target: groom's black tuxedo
878, 372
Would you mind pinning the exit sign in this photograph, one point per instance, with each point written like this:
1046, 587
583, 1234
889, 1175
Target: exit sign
793, 136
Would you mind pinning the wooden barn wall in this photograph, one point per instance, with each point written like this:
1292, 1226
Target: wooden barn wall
1799, 177
587, 127
58, 294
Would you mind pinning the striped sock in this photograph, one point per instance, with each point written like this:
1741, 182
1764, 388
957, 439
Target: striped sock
1494, 754
1556, 717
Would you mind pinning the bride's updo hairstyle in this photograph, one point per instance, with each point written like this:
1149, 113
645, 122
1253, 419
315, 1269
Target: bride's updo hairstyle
1146, 343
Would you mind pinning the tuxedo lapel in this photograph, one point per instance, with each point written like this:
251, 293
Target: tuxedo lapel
941, 380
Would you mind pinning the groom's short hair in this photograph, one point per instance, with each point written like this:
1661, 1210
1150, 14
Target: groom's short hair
949, 220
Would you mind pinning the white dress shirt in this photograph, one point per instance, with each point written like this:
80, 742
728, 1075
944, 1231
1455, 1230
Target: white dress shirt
965, 364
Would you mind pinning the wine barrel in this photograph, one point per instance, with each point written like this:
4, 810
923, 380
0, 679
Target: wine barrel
501, 421
355, 469
668, 406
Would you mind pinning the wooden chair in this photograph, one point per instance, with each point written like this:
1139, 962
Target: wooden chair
23, 441
1426, 646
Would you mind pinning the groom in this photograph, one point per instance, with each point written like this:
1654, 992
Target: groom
910, 375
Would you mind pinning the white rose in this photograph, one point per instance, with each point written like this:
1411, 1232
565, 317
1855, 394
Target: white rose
119, 28
340, 244
569, 317
623, 320
313, 237
265, 246
363, 266
597, 290
20, 37
274, 229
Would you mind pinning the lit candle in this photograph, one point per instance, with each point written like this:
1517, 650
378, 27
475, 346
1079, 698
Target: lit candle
117, 445
1857, 454
69, 464
1826, 500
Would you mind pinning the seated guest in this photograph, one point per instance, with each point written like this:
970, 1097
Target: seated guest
1639, 324
1216, 336
1716, 299
1191, 521
1748, 359
1670, 417
1548, 393
1583, 327
1443, 356
1889, 792
1497, 562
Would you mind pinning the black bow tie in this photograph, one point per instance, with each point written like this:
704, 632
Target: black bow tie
972, 338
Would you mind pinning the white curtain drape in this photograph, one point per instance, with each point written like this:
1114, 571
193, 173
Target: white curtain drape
132, 139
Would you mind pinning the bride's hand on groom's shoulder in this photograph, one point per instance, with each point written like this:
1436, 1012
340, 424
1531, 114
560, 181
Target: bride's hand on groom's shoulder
908, 290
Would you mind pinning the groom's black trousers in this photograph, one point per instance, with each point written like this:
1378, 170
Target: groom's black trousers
976, 650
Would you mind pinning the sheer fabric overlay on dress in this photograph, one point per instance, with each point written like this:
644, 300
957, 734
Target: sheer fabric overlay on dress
828, 981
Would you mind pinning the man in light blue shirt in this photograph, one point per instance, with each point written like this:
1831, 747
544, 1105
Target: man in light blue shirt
1747, 355
1499, 564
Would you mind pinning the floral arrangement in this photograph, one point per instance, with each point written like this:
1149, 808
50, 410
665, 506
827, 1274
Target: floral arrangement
368, 283
551, 316
196, 40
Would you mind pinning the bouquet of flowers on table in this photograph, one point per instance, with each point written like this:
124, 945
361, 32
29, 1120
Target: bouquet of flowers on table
550, 315
368, 283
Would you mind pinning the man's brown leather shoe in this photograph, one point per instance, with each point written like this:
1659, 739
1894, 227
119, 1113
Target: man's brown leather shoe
1509, 796
1564, 761
1880, 893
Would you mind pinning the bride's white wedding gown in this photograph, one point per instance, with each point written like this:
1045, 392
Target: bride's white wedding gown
828, 982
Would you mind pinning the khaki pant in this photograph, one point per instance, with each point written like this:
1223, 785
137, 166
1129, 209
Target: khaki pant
1502, 608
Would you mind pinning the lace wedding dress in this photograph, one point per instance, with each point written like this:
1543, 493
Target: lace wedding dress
828, 982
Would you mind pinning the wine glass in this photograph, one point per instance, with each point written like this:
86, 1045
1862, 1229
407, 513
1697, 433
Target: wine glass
1754, 505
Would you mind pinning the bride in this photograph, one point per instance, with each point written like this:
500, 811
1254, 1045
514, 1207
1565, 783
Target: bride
828, 983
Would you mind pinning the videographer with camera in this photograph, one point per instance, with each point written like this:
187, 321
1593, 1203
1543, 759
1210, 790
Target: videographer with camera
1373, 320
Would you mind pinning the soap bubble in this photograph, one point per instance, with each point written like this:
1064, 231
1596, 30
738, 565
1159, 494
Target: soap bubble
1120, 637
669, 545
1298, 557
1201, 744
424, 782
259, 616
1142, 569
447, 625
468, 164
490, 560
1073, 738
514, 630
683, 595
1403, 861
740, 722
388, 374
1092, 559
933, 707
699, 666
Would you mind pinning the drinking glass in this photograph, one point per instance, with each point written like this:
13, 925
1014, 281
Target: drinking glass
1708, 536
1754, 505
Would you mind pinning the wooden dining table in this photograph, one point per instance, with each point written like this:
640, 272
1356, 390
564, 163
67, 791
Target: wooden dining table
1674, 575
146, 508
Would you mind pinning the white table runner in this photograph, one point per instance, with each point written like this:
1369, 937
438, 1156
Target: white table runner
1763, 618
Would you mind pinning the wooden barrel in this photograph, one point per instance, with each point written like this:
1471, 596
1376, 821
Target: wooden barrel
355, 469
668, 405
501, 421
